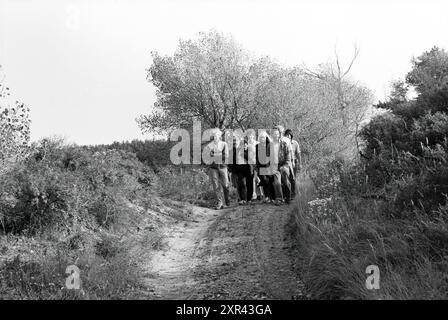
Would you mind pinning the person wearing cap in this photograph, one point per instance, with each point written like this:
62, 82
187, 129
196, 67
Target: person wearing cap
296, 159
218, 169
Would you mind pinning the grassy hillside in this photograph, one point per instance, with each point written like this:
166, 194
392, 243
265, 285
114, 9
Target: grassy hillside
390, 208
66, 205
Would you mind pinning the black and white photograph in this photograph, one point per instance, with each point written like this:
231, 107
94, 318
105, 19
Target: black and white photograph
223, 155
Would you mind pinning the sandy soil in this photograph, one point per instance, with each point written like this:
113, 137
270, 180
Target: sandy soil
241, 252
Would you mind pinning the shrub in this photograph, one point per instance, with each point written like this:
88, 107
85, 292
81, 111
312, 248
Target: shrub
390, 209
106, 271
64, 187
192, 185
340, 237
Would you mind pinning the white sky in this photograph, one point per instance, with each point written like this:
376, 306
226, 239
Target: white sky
80, 65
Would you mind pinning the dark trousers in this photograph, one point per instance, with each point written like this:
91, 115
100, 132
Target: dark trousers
272, 186
293, 181
286, 172
245, 184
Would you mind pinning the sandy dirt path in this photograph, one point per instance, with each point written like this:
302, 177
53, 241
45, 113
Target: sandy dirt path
242, 252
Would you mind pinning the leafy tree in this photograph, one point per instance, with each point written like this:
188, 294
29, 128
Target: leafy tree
399, 92
430, 71
406, 148
211, 79
424, 114
14, 127
309, 103
214, 80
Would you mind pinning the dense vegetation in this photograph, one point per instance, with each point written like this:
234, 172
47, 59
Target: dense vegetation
64, 204
212, 79
369, 195
184, 182
390, 208
68, 188
14, 127
155, 154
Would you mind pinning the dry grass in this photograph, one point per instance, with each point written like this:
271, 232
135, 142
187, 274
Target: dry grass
335, 250
112, 261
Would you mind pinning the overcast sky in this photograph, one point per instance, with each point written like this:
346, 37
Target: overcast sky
80, 65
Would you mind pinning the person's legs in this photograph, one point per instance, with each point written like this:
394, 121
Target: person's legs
276, 183
234, 180
254, 185
296, 170
249, 177
292, 181
242, 189
285, 174
236, 183
258, 191
296, 179
270, 186
224, 182
214, 179
264, 184
250, 186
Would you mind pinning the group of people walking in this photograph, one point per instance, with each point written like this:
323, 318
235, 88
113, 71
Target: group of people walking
263, 169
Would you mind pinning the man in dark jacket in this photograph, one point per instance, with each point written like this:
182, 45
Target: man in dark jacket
242, 170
